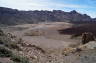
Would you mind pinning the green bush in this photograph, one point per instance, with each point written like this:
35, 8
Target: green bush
1, 33
20, 40
6, 41
19, 59
5, 52
1, 42
13, 46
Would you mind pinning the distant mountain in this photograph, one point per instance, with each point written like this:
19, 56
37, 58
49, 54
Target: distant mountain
10, 16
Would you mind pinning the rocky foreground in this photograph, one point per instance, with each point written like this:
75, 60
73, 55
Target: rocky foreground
81, 54
35, 54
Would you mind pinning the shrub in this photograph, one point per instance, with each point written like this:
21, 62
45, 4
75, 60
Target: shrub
5, 52
1, 33
1, 42
20, 40
6, 41
13, 46
19, 59
3, 39
34, 33
37, 47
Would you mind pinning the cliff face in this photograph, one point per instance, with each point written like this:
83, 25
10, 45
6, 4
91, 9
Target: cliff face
12, 16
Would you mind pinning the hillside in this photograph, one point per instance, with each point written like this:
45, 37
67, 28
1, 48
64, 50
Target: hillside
10, 16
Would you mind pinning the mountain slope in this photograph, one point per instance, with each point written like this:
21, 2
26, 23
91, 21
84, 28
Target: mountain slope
13, 16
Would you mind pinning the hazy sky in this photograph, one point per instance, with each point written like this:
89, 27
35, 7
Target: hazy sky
82, 6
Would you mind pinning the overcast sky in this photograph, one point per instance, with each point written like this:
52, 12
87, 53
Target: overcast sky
82, 6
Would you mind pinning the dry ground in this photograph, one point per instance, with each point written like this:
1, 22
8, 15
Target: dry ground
46, 34
49, 44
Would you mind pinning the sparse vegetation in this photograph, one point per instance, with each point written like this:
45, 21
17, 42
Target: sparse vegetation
7, 46
6, 41
19, 59
37, 47
5, 52
13, 46
1, 33
3, 38
1, 42
33, 33
20, 40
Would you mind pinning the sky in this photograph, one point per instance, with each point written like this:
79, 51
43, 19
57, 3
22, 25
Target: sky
81, 6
